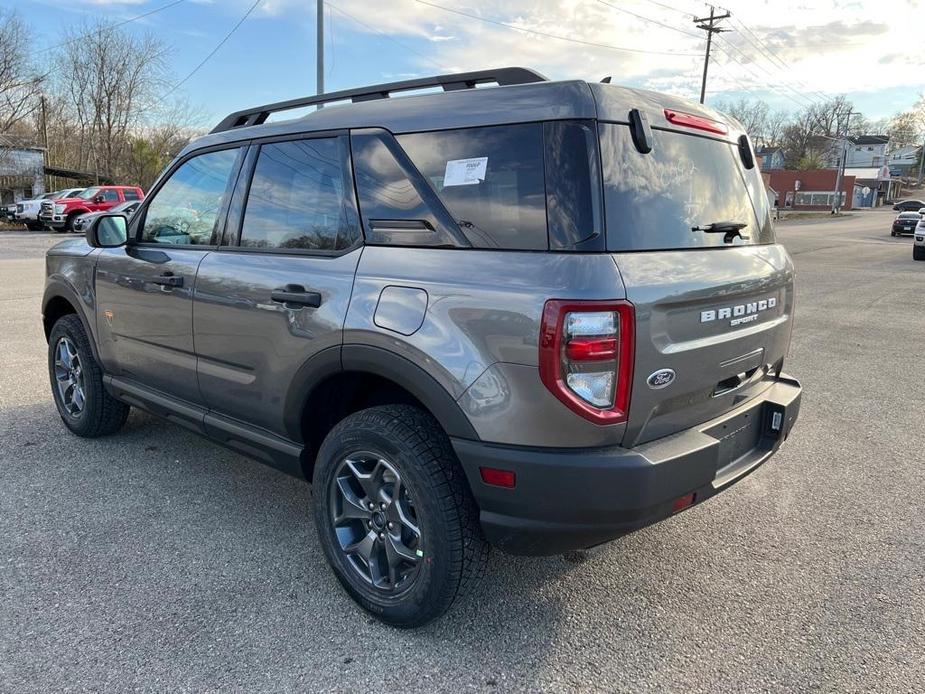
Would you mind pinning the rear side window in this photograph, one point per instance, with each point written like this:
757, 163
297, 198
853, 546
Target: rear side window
298, 197
131, 194
490, 179
653, 200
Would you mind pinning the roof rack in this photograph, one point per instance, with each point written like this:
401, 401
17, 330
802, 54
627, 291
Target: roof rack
463, 80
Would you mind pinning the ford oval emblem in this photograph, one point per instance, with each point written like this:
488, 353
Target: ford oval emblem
661, 379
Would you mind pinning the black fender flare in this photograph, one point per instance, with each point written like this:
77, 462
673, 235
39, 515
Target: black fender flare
58, 288
379, 362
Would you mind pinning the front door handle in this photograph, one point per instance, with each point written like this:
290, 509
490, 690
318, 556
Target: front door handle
168, 279
296, 296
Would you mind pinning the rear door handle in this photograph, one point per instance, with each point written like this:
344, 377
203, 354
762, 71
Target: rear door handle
296, 296
168, 279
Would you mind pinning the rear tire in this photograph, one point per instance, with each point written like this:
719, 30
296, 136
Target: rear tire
406, 558
918, 252
86, 408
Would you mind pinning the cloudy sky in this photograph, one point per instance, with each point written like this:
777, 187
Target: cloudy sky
789, 53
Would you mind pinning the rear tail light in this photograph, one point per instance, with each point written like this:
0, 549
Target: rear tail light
586, 356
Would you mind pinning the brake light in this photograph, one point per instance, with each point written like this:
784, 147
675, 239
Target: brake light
689, 120
586, 356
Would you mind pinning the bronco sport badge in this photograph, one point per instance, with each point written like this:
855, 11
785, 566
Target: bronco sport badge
740, 313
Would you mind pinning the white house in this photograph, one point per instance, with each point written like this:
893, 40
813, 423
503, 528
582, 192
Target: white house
867, 151
21, 170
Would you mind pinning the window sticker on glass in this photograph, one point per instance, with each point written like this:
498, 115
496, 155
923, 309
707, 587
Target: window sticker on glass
465, 172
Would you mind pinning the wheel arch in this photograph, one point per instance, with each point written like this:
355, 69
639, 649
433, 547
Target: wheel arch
60, 300
341, 380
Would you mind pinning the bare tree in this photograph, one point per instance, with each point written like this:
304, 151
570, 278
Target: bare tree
19, 80
110, 81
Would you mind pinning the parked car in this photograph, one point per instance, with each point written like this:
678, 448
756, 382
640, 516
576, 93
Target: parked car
909, 205
126, 208
59, 215
27, 211
905, 223
8, 212
918, 244
537, 316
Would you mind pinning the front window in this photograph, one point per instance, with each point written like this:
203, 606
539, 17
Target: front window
89, 194
653, 201
185, 209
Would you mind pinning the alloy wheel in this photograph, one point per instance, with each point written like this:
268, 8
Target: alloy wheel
69, 377
375, 522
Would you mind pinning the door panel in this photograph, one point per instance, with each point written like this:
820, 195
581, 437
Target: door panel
145, 316
265, 307
250, 346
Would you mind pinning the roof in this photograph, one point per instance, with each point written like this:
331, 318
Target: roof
463, 107
870, 139
768, 150
11, 141
874, 172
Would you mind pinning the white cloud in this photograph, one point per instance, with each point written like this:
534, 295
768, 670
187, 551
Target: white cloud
838, 46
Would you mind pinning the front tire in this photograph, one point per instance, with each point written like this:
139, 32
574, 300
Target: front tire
86, 408
395, 516
918, 252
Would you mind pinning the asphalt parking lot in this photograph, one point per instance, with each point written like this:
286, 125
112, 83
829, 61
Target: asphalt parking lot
155, 560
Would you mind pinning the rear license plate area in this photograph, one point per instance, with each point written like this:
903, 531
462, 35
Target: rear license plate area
739, 435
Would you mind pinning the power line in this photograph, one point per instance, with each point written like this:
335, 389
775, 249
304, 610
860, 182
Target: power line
800, 99
550, 36
650, 20
109, 27
772, 57
214, 50
384, 35
687, 33
673, 9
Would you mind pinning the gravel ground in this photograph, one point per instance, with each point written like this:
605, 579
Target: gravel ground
155, 560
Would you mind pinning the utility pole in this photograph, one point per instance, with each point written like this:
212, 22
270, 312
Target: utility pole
45, 141
843, 160
708, 24
319, 51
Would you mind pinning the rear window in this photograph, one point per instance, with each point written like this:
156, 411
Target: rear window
653, 200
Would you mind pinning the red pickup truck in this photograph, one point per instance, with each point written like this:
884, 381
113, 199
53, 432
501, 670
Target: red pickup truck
60, 214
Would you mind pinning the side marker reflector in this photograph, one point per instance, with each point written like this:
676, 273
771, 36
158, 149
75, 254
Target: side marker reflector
498, 478
683, 502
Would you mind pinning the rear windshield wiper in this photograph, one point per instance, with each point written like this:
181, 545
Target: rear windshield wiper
729, 229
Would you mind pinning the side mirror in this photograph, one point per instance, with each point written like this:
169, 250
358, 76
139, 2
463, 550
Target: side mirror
108, 231
99, 198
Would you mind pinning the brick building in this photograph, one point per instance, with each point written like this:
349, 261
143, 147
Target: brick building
810, 190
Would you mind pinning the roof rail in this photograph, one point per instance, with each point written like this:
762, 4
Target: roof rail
463, 80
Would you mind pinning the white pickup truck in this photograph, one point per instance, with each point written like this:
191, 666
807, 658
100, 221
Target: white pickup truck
27, 211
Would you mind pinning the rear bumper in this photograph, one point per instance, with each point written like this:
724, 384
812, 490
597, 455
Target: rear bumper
567, 499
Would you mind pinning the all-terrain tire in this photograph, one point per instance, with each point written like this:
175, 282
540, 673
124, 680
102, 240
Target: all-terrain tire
101, 414
453, 552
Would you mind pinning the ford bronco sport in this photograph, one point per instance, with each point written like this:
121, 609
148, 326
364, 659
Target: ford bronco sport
536, 316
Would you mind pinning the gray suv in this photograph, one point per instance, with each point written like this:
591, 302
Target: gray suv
537, 316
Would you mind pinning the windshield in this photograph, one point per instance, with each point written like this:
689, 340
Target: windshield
88, 193
653, 201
